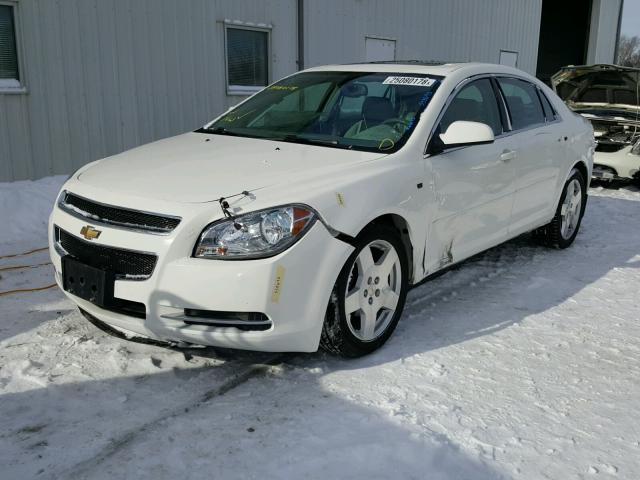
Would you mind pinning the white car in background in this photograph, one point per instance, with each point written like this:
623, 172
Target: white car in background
301, 217
609, 97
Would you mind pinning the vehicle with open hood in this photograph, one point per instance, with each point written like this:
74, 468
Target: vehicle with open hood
609, 96
301, 217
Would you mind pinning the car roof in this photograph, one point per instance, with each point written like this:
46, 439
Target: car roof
417, 66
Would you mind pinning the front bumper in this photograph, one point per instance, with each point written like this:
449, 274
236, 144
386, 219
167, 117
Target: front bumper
292, 289
624, 164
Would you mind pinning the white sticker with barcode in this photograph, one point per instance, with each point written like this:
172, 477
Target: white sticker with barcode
413, 81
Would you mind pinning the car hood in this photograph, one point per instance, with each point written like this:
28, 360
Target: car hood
601, 90
196, 167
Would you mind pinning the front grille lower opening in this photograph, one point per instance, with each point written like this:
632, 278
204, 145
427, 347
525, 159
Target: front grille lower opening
609, 147
245, 321
129, 308
126, 264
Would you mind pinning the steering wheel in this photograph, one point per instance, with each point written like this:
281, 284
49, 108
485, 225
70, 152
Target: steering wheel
394, 122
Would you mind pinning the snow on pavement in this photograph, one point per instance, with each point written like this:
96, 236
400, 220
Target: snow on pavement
24, 212
521, 363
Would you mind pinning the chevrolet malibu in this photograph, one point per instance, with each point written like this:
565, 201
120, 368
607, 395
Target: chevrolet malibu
300, 218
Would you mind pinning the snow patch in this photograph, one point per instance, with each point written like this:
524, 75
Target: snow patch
24, 210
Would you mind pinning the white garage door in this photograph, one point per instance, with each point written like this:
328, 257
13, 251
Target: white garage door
379, 49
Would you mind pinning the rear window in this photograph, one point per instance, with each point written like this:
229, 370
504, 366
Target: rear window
522, 100
549, 112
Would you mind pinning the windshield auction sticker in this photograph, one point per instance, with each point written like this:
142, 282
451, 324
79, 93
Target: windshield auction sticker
413, 81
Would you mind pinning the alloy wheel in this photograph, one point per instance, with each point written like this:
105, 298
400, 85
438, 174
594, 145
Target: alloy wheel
571, 209
373, 290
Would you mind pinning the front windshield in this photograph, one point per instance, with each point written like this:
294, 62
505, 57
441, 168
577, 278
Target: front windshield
354, 110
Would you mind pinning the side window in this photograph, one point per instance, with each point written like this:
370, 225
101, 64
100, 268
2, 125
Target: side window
476, 102
549, 112
522, 101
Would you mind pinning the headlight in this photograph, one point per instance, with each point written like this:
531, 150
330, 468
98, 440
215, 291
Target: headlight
255, 235
636, 148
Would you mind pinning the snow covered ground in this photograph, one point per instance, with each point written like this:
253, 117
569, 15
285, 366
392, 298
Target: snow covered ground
522, 363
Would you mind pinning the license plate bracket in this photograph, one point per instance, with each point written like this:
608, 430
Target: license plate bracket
87, 282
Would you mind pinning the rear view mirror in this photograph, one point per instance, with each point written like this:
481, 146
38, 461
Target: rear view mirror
463, 133
354, 90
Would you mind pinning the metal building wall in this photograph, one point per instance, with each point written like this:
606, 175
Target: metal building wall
457, 30
103, 76
604, 31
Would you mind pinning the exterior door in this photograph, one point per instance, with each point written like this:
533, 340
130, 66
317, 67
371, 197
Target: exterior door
473, 186
539, 153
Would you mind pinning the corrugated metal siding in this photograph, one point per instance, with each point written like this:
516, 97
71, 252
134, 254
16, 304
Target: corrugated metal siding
604, 31
453, 30
107, 75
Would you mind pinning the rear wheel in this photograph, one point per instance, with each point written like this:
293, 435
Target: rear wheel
368, 297
563, 229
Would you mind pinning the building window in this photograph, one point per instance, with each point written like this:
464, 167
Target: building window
247, 58
9, 70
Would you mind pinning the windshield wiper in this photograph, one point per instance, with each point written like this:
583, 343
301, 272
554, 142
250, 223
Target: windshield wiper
219, 131
314, 141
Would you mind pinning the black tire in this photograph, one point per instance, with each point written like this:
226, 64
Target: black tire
551, 234
336, 337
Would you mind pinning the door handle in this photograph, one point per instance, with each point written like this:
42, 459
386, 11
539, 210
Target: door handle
507, 155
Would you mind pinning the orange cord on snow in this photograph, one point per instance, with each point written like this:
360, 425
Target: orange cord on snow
25, 253
22, 267
27, 290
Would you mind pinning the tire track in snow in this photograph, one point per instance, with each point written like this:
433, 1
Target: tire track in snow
84, 468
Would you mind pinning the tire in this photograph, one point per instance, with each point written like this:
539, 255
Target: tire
368, 285
563, 229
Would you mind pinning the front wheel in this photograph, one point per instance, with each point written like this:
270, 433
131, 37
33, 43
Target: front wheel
563, 229
368, 297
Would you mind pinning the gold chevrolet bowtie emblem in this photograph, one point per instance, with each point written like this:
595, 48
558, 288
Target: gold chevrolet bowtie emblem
89, 232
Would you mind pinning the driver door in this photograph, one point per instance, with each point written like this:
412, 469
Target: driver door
473, 185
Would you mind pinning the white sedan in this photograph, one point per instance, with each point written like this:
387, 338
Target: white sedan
300, 218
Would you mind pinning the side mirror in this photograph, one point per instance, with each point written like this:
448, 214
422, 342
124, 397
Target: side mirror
463, 133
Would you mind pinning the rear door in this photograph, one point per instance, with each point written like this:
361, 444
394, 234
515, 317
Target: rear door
473, 185
539, 150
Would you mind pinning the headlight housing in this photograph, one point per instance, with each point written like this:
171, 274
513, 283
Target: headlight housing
260, 234
636, 148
